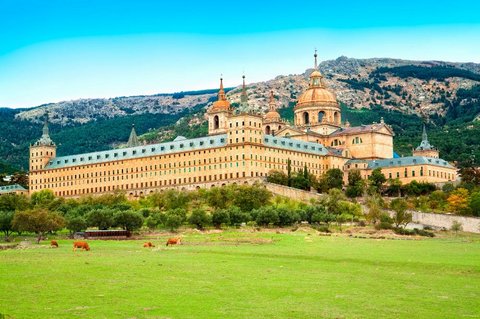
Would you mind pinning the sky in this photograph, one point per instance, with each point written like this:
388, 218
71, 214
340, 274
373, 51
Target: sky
59, 50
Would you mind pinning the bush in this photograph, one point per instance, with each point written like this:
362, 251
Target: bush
128, 220
237, 217
173, 221
251, 197
199, 218
76, 223
156, 219
220, 217
287, 217
385, 222
412, 232
180, 212
100, 218
266, 216
322, 228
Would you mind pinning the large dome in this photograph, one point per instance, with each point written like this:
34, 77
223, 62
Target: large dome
317, 96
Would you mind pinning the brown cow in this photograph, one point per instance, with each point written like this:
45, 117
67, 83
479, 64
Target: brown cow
148, 245
80, 244
53, 243
174, 241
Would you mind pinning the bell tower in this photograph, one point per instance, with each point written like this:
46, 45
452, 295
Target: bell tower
43, 150
219, 113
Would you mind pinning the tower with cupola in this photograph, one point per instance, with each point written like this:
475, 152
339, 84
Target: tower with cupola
218, 113
43, 150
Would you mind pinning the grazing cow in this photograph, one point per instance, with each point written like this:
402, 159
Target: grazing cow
148, 245
80, 244
174, 241
53, 243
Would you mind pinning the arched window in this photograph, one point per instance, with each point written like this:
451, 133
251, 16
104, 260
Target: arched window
306, 119
216, 122
336, 118
267, 130
321, 116
357, 140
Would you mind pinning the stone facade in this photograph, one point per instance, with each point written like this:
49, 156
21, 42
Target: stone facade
240, 148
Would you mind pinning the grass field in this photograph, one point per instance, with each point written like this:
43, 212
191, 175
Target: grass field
245, 275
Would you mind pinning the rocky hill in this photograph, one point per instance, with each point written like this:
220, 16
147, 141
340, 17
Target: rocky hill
359, 83
393, 84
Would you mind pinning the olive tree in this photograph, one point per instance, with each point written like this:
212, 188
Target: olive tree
38, 221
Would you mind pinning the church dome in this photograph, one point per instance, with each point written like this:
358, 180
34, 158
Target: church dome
317, 96
272, 115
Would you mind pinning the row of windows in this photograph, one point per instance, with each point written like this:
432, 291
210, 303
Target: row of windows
438, 174
152, 184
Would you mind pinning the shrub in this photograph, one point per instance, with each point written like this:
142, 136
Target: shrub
266, 216
100, 218
173, 221
220, 217
199, 218
180, 212
237, 217
248, 198
287, 217
128, 220
385, 222
76, 223
6, 218
401, 217
456, 226
322, 228
412, 232
156, 219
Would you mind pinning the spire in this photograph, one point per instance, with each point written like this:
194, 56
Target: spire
221, 104
315, 56
133, 139
45, 139
45, 125
221, 92
424, 134
243, 96
271, 103
424, 144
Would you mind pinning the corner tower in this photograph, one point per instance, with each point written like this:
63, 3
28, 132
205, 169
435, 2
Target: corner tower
43, 150
218, 113
317, 108
425, 149
272, 121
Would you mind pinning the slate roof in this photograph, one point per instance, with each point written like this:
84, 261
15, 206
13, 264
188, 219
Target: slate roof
138, 151
403, 161
295, 145
11, 188
359, 129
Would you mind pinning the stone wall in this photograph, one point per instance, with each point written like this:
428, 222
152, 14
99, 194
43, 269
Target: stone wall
291, 192
469, 224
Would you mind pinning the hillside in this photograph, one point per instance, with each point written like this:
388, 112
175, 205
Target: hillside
405, 93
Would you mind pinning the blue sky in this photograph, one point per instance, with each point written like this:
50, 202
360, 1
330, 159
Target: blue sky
66, 49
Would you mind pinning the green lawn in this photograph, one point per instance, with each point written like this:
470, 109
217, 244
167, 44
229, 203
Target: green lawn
245, 275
